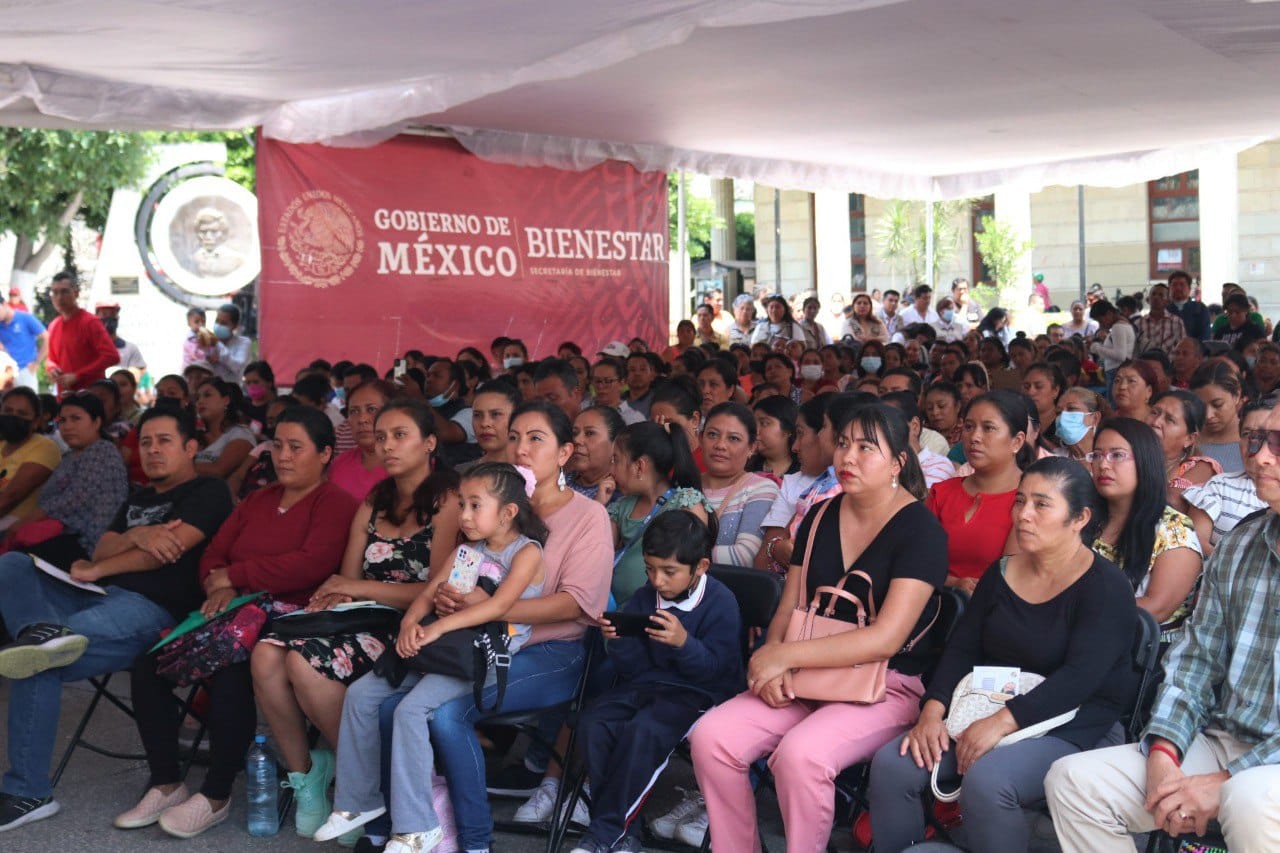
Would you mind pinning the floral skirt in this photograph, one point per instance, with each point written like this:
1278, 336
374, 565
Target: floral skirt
342, 657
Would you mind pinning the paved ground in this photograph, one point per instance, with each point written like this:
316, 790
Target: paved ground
95, 789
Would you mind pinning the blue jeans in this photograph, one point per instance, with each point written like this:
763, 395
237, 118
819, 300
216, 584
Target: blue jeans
120, 626
542, 674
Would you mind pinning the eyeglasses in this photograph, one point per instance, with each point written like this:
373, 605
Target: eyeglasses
1115, 457
605, 381
1255, 438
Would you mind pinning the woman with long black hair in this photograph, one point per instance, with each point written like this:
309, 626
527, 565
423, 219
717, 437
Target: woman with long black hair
1153, 543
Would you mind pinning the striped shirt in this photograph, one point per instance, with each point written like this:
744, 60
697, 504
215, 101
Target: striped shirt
1221, 673
1226, 499
741, 511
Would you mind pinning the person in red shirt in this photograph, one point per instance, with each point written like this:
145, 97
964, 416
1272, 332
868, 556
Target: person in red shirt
80, 350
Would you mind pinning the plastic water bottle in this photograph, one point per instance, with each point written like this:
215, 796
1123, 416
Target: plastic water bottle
262, 787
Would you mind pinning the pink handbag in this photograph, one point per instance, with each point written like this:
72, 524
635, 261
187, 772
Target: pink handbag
862, 683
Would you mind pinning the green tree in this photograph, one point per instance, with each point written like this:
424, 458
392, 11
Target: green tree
699, 215
48, 178
746, 236
1003, 251
242, 163
902, 236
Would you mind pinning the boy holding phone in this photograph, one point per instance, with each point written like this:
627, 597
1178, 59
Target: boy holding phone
688, 661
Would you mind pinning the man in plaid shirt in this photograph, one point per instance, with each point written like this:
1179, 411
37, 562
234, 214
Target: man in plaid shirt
1212, 748
1158, 329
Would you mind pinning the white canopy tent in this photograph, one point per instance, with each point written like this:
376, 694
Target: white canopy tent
894, 98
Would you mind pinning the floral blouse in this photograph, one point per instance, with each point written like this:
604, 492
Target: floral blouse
1173, 530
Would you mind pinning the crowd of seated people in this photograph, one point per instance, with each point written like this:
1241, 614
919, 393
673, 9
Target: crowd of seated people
1060, 483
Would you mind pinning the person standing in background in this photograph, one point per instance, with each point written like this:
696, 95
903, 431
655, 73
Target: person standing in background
1194, 314
26, 339
130, 356
80, 350
234, 350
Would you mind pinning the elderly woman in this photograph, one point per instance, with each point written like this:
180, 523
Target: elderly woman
1177, 417
876, 525
1055, 609
284, 539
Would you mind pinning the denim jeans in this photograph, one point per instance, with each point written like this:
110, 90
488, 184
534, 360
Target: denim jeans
120, 625
542, 674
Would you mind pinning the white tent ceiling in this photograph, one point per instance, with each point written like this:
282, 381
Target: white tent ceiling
908, 98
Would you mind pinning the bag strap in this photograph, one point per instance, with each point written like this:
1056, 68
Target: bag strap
937, 611
496, 632
801, 599
871, 596
653, 511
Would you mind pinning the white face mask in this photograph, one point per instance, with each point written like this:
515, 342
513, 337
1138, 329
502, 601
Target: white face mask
811, 372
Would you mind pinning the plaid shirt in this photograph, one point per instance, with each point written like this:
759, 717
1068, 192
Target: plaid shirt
1163, 334
1221, 674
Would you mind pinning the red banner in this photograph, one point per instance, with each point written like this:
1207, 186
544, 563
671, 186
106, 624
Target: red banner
417, 244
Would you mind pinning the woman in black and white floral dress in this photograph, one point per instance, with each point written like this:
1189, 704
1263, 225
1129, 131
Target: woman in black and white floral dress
401, 538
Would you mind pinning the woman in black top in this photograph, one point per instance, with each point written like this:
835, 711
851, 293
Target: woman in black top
1056, 609
879, 526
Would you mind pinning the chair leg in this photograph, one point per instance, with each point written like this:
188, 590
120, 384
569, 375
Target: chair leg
571, 785
77, 738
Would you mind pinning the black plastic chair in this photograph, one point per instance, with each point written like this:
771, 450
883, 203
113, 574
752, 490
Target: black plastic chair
528, 723
101, 690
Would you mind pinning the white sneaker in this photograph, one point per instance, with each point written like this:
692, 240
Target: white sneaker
538, 808
694, 829
415, 842
581, 814
690, 805
340, 823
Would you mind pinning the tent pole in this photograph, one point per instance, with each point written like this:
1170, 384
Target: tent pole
682, 229
777, 241
1080, 234
928, 243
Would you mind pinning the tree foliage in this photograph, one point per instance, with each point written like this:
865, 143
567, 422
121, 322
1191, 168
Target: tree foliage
902, 236
242, 163
49, 177
699, 217
745, 235
1003, 251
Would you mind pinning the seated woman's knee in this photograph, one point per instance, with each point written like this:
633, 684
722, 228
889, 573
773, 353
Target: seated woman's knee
798, 754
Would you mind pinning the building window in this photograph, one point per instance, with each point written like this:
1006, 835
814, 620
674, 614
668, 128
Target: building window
982, 208
1173, 206
858, 239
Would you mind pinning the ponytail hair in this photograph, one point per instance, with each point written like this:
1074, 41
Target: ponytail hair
667, 450
507, 484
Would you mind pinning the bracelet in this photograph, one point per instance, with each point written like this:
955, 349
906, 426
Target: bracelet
768, 547
1167, 750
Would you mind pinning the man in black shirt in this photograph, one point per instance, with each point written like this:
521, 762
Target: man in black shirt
146, 569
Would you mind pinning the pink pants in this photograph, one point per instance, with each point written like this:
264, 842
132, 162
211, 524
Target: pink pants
810, 744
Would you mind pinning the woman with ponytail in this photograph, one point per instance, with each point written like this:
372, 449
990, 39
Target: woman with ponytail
655, 472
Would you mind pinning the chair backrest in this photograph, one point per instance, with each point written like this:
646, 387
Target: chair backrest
1146, 663
757, 592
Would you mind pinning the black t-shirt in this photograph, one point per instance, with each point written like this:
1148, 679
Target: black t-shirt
912, 544
1080, 641
204, 503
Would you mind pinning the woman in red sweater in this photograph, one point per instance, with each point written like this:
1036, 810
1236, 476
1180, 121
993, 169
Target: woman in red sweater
977, 511
285, 539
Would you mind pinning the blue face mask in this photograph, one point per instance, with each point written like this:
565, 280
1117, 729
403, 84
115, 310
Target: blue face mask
947, 315
512, 361
439, 400
871, 364
222, 332
1251, 360
340, 394
1071, 427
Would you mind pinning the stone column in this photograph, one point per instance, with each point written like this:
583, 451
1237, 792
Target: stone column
1219, 223
724, 238
834, 265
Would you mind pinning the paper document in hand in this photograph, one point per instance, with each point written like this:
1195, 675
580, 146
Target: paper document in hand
54, 572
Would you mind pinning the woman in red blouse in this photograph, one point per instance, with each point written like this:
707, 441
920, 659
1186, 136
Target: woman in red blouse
284, 539
976, 511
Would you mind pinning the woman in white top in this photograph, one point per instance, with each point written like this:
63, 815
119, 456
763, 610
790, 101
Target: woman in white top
225, 442
950, 326
1117, 347
863, 324
1079, 325
781, 325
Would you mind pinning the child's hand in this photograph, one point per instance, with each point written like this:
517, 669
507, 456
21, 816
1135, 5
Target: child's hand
410, 640
669, 631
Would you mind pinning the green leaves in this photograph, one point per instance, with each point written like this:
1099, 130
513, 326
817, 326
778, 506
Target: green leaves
1002, 251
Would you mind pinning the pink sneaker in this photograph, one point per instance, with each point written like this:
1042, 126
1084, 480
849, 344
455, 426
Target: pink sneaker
150, 807
189, 819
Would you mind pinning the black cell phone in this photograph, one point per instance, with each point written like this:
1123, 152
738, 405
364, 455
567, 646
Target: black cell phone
628, 624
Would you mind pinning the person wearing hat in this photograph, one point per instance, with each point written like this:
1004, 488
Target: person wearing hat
130, 356
744, 320
26, 339
1041, 289
80, 349
615, 349
15, 300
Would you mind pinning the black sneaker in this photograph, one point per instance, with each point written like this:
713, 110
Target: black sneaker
15, 811
41, 646
514, 780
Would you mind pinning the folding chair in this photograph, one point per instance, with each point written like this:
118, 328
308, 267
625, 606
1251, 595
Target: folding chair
528, 722
101, 685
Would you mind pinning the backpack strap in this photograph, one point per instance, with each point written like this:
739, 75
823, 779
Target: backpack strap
491, 648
